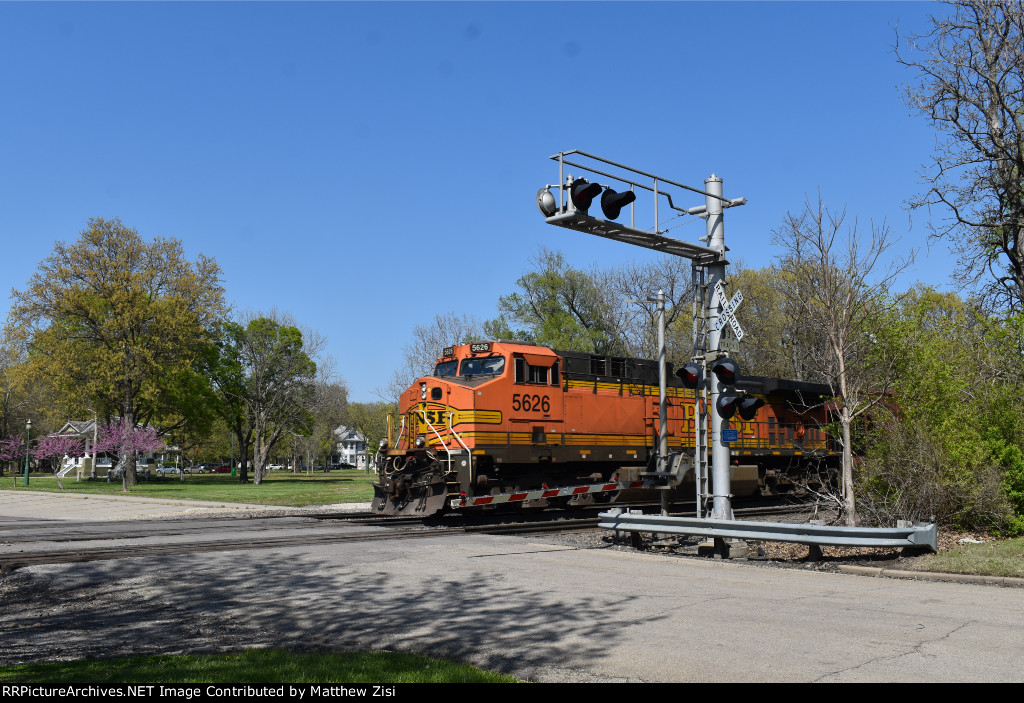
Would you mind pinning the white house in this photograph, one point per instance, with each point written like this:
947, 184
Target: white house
350, 447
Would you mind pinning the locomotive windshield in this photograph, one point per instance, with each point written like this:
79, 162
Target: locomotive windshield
487, 366
446, 368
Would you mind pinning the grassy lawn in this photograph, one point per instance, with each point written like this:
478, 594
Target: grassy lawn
1002, 558
258, 666
278, 488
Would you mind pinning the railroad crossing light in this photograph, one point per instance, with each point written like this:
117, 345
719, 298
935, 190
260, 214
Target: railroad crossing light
690, 374
731, 402
726, 405
727, 371
582, 193
748, 406
612, 202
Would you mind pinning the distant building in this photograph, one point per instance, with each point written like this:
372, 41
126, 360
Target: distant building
349, 448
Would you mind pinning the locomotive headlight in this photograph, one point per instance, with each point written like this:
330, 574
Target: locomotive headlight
421, 442
423, 391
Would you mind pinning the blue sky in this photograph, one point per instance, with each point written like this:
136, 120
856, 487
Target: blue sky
365, 166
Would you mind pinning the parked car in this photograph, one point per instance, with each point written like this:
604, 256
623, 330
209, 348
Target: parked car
168, 470
220, 469
204, 468
275, 467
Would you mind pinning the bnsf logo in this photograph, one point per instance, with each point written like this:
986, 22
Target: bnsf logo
434, 416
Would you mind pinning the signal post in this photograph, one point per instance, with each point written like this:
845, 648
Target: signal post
571, 210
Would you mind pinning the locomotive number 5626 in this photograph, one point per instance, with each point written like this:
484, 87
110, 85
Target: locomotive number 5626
531, 403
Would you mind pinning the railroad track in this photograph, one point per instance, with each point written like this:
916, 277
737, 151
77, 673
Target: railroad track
308, 526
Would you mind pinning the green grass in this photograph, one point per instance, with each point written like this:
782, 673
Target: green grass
255, 666
278, 488
1002, 558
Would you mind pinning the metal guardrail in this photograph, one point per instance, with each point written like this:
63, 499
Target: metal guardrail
919, 535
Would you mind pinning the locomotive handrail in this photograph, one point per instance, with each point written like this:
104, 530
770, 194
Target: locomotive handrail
400, 432
458, 439
444, 446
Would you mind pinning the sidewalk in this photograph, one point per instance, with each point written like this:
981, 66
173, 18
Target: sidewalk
32, 506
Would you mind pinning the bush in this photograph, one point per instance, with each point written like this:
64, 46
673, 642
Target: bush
911, 474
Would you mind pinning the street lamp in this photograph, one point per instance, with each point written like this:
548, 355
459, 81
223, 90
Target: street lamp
28, 440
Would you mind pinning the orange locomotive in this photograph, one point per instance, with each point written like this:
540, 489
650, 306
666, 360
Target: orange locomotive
501, 417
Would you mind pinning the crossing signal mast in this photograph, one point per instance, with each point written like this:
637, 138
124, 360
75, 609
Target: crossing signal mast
569, 206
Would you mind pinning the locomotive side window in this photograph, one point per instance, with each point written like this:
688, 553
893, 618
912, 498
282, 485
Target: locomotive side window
598, 366
487, 366
446, 368
530, 373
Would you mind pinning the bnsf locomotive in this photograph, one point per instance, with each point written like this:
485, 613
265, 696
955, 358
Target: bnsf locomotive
497, 418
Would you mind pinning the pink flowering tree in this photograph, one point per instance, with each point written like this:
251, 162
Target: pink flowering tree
129, 442
55, 448
11, 450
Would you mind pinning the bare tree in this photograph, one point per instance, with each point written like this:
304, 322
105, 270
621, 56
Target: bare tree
637, 325
832, 292
970, 85
421, 352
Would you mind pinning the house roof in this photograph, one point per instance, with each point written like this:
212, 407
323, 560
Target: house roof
348, 434
77, 428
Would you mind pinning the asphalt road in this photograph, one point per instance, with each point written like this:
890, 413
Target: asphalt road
539, 610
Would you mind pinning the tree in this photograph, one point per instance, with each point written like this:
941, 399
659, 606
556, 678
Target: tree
371, 421
558, 306
11, 450
129, 442
953, 447
425, 346
117, 321
970, 86
834, 295
777, 341
264, 373
53, 448
636, 325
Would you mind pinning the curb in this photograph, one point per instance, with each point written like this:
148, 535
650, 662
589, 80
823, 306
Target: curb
1009, 581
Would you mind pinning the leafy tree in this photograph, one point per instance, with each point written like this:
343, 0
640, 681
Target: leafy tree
970, 86
777, 340
557, 306
53, 448
265, 377
12, 450
953, 448
371, 421
129, 442
120, 322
